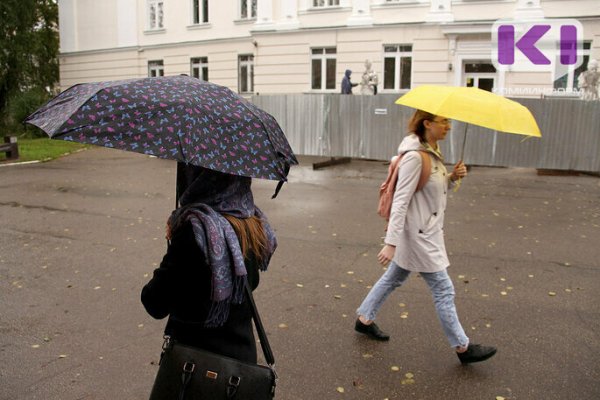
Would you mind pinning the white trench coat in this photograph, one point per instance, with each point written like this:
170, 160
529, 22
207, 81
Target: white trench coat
417, 218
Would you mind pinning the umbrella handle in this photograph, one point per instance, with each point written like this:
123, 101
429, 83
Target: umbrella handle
462, 153
457, 185
462, 157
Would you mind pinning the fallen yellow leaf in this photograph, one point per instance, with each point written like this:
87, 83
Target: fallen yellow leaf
340, 389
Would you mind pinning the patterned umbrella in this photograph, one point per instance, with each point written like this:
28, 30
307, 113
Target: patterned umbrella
175, 117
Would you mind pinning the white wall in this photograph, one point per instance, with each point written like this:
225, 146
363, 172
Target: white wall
109, 39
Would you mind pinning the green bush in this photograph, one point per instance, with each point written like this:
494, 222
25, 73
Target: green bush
21, 106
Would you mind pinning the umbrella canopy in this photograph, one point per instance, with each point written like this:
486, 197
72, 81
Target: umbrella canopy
473, 106
175, 117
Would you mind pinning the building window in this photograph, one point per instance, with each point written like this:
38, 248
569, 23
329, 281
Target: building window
199, 68
326, 3
247, 9
156, 68
246, 73
569, 81
199, 12
480, 74
397, 66
155, 14
323, 68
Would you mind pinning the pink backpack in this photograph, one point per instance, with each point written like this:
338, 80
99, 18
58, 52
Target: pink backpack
388, 187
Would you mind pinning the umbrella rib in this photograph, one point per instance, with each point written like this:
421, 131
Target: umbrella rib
265, 128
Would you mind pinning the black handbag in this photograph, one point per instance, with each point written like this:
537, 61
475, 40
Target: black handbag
189, 373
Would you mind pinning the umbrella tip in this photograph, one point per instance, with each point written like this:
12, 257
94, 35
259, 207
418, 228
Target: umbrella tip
277, 189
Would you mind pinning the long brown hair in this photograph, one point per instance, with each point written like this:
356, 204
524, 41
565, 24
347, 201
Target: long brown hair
416, 123
250, 232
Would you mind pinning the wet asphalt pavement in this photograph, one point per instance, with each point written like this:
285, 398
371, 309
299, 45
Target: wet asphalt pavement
79, 237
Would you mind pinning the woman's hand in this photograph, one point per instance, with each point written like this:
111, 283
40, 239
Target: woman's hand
459, 171
386, 254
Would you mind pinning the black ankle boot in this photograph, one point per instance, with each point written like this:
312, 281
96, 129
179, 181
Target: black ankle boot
371, 330
476, 353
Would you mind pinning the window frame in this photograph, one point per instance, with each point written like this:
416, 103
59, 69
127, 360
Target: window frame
199, 12
325, 3
398, 57
323, 57
249, 65
572, 76
201, 64
251, 9
158, 22
158, 66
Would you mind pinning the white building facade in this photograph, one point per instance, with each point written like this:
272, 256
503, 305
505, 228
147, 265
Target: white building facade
304, 46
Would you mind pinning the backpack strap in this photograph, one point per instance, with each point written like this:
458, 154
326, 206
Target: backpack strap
425, 169
388, 187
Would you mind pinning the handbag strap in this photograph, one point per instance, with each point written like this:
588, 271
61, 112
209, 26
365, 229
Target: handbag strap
262, 335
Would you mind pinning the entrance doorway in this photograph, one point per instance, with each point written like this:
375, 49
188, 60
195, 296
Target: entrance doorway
479, 74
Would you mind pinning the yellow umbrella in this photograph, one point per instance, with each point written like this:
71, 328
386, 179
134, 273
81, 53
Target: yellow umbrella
473, 106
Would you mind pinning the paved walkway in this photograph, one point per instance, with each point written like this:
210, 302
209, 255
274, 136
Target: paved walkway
80, 236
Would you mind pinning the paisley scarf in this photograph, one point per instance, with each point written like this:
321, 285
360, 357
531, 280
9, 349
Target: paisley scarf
209, 195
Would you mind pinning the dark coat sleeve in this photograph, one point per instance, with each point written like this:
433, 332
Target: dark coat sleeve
182, 285
181, 289
182, 264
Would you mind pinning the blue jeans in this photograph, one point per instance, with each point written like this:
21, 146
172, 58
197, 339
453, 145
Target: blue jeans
441, 288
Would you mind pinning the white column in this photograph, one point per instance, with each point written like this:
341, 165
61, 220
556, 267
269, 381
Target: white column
528, 9
361, 13
264, 15
440, 11
289, 15
67, 16
127, 23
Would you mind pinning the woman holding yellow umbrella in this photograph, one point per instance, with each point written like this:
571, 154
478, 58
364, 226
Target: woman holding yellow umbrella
415, 241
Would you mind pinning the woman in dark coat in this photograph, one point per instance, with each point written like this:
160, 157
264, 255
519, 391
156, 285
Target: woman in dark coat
218, 240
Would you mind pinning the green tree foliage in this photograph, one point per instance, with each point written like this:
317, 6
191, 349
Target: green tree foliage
28, 57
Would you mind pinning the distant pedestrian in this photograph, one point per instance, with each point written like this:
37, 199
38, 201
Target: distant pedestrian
415, 240
347, 85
